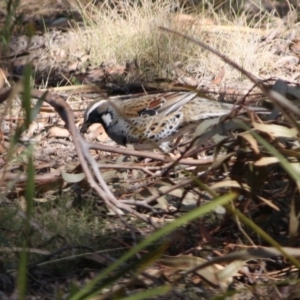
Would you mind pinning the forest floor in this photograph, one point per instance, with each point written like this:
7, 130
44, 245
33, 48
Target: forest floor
82, 53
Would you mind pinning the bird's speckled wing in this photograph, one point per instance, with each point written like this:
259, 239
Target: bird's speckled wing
164, 104
200, 109
137, 106
174, 102
147, 129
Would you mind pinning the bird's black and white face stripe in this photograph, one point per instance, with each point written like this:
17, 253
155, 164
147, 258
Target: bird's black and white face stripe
97, 112
97, 106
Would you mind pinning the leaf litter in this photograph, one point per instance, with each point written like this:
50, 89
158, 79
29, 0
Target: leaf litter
265, 189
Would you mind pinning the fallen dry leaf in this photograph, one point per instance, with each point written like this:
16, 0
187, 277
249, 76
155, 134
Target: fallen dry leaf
58, 132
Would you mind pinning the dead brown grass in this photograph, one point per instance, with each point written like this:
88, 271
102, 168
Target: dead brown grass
117, 37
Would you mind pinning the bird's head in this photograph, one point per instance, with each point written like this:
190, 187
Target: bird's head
97, 112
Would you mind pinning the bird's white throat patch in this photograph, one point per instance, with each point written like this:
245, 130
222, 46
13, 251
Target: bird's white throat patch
107, 118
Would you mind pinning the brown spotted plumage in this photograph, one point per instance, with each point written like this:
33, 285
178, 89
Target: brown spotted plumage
150, 120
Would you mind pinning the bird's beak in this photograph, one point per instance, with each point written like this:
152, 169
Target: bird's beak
84, 127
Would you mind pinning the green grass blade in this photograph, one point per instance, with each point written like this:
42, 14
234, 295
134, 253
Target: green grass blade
22, 274
196, 213
162, 290
29, 194
283, 161
26, 99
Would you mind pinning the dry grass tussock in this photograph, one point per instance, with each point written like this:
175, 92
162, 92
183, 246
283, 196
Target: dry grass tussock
116, 37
